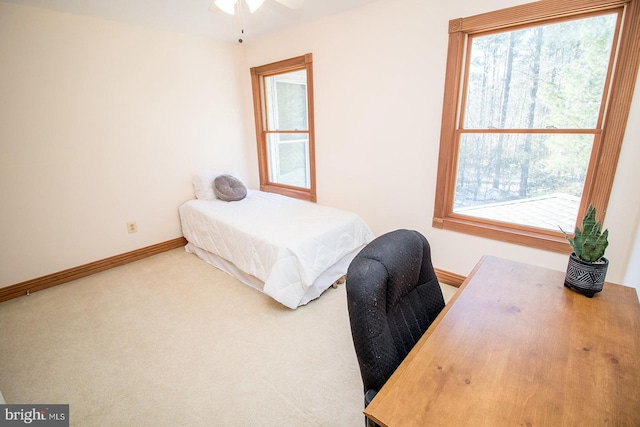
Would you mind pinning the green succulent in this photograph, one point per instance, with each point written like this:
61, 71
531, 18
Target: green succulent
589, 243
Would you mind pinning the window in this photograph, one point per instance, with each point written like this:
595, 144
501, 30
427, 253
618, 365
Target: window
536, 100
283, 108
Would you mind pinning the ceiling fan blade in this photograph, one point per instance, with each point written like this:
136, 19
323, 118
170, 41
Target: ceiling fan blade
292, 4
227, 6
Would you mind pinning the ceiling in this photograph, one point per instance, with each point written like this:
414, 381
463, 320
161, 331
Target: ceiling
194, 17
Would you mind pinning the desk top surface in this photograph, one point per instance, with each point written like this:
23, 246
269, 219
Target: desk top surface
515, 347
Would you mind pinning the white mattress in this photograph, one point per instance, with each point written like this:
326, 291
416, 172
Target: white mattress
295, 249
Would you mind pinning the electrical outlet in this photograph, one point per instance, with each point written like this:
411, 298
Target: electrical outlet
132, 227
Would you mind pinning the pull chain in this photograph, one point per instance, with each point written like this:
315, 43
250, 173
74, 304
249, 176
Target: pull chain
240, 40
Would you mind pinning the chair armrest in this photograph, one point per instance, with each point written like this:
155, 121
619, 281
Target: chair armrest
368, 396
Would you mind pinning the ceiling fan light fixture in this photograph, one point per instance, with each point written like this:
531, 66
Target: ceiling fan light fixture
254, 4
227, 6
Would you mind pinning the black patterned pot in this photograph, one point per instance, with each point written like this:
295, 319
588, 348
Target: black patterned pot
584, 277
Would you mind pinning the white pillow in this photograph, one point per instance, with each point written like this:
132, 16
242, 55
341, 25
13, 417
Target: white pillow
203, 182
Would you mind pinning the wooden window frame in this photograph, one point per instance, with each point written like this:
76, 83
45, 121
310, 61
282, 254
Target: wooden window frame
603, 163
304, 62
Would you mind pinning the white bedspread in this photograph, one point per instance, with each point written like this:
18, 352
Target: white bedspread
284, 242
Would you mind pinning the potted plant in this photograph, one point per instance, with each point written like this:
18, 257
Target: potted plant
587, 265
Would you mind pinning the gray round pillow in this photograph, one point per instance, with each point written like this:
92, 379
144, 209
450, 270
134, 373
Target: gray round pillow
229, 188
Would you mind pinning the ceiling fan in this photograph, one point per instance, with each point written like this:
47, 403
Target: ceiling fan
229, 6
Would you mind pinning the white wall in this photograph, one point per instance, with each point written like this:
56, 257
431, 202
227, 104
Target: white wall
632, 275
631, 214
102, 123
378, 75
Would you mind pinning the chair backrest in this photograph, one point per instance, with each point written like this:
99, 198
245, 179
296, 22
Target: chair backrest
393, 296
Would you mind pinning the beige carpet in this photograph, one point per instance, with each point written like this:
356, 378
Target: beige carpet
172, 341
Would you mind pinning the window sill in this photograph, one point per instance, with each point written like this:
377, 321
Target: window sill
543, 239
289, 191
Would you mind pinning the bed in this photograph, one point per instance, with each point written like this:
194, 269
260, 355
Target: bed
291, 250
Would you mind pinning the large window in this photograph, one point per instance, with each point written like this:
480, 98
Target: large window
536, 101
283, 107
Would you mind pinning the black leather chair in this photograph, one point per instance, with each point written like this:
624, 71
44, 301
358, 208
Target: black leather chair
393, 296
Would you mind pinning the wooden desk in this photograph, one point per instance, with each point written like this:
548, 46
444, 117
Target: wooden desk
515, 347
